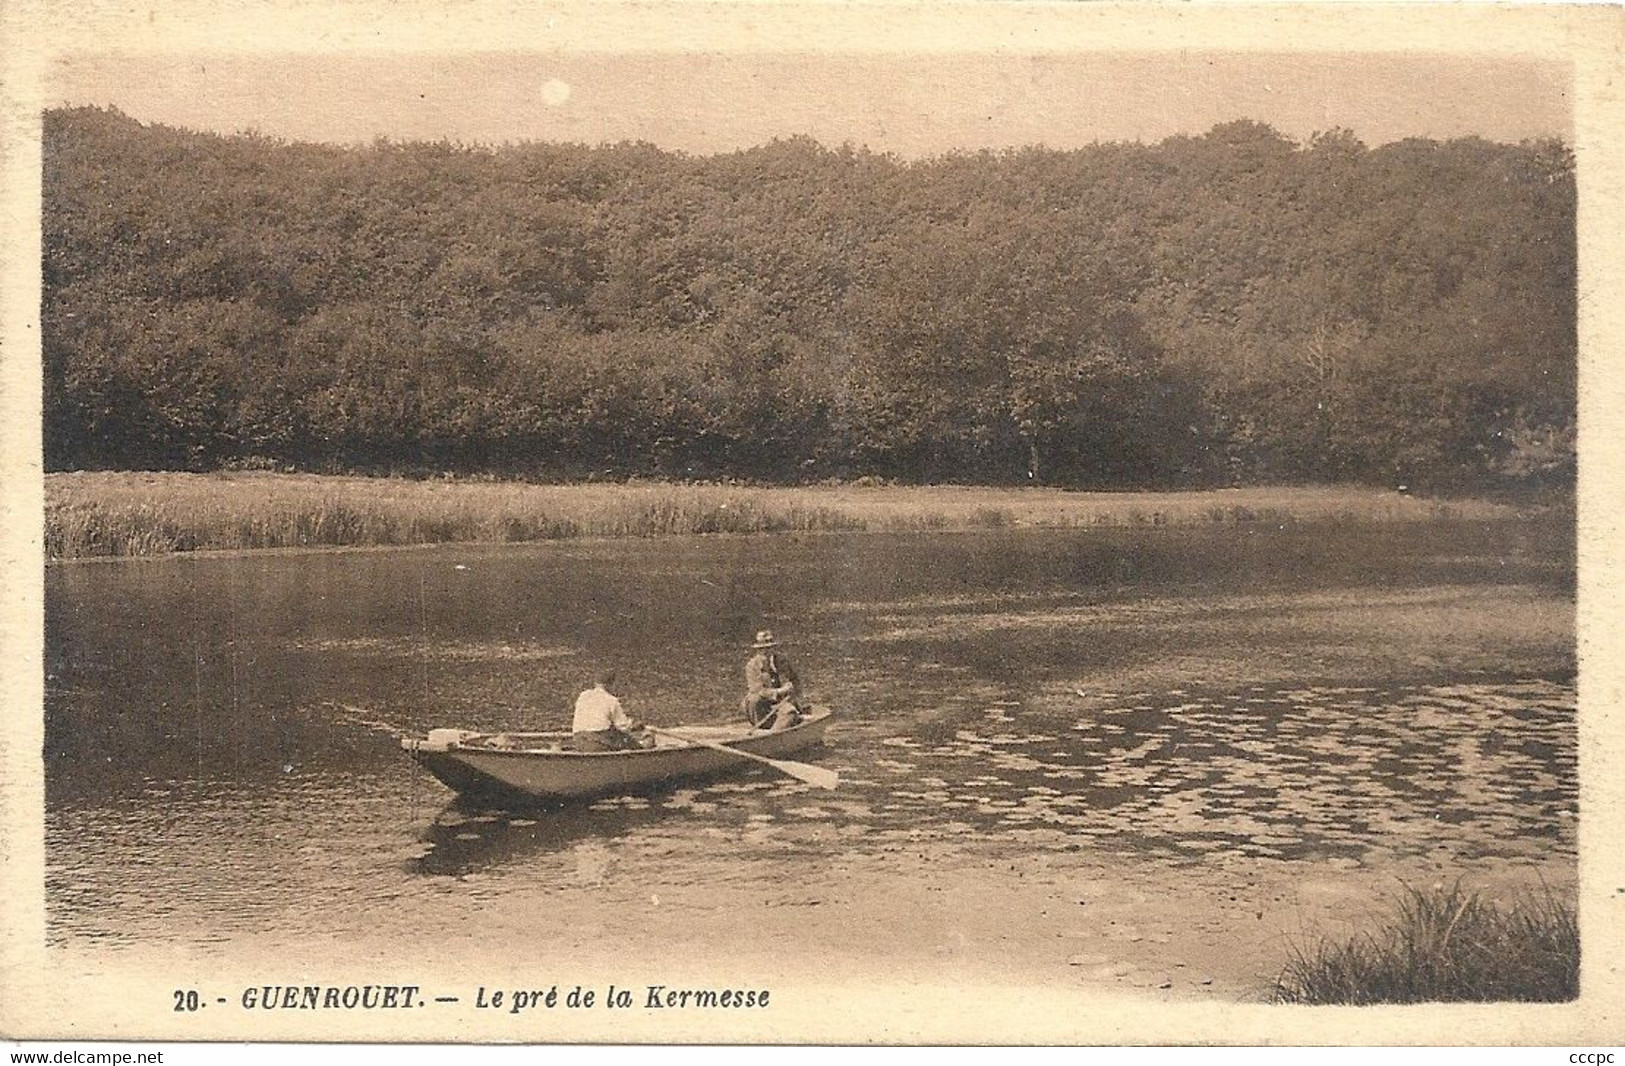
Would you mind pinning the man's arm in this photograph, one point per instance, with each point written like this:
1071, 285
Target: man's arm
787, 674
620, 719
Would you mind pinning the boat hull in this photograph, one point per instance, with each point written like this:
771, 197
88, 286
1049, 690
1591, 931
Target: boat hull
533, 776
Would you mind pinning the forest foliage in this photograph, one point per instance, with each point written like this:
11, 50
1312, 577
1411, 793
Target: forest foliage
1235, 307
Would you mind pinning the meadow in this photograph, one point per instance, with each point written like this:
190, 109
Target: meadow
101, 514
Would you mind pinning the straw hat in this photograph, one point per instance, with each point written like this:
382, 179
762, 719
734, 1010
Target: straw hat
765, 639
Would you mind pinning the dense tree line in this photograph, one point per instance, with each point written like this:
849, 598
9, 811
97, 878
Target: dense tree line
1228, 307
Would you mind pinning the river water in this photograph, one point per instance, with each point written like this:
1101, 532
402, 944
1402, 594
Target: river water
220, 730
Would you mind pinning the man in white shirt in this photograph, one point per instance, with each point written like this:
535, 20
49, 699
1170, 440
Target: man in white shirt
601, 724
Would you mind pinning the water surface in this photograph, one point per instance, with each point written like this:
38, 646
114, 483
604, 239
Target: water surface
221, 753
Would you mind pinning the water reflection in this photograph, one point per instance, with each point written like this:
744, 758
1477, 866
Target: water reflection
464, 837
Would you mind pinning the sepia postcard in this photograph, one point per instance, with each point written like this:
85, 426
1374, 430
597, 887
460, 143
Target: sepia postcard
807, 523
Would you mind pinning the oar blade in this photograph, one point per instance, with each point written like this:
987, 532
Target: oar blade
813, 775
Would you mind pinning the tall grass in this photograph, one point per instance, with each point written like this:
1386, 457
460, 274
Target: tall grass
1445, 945
117, 514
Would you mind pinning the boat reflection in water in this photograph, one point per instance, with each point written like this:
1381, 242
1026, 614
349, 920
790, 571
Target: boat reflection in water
468, 836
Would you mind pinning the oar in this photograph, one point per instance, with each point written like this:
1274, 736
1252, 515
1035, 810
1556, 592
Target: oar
813, 775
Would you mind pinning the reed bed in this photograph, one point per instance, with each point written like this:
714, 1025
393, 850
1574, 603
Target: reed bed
136, 514
1445, 945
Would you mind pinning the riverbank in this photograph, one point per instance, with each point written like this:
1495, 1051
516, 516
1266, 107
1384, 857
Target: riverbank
91, 514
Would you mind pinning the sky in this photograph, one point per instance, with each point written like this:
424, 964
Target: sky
912, 105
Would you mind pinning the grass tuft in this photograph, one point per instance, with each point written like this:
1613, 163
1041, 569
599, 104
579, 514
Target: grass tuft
1445, 945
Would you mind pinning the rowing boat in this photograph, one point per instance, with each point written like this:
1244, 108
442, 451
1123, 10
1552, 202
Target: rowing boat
540, 767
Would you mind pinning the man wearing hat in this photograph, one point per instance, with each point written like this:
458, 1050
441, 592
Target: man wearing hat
772, 690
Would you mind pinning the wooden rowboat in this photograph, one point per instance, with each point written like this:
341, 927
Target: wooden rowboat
540, 767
